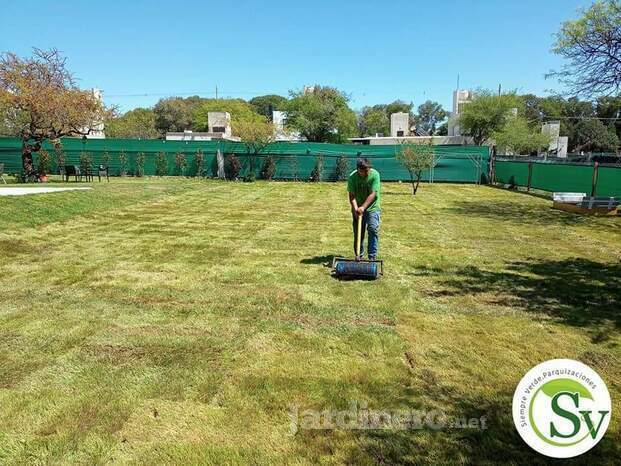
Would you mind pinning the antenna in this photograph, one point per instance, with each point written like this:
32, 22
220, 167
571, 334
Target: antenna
216, 92
457, 81
499, 89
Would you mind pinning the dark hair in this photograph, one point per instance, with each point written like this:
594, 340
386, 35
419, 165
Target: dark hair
363, 163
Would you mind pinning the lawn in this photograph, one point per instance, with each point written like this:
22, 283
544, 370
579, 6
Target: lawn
178, 321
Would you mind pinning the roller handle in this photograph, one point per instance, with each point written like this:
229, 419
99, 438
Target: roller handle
358, 234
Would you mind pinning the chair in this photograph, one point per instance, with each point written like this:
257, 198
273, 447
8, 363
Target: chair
72, 170
2, 173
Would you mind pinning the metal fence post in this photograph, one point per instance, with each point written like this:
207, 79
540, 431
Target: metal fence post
530, 175
595, 176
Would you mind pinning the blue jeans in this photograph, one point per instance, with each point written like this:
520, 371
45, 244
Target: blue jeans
370, 223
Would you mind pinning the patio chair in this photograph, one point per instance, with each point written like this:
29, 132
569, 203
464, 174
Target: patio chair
73, 170
2, 173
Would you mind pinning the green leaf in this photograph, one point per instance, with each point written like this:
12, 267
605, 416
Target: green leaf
565, 385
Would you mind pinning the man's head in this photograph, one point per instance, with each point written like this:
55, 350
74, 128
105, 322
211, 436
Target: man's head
363, 166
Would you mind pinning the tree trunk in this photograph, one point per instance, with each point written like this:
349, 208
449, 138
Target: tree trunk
27, 158
418, 175
412, 182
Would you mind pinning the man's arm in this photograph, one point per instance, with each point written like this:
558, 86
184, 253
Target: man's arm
352, 201
370, 198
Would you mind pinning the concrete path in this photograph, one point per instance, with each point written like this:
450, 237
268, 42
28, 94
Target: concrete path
19, 191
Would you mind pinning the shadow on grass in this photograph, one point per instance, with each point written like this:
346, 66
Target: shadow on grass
577, 291
325, 260
498, 443
517, 212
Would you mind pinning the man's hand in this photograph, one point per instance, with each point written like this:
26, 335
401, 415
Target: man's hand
360, 210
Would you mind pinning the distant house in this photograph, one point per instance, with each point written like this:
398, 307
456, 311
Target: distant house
219, 126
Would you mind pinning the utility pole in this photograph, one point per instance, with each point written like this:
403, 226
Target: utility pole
216, 92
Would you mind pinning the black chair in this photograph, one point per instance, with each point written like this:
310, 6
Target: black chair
102, 171
73, 170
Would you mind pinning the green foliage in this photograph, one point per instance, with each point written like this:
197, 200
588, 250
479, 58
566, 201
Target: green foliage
199, 163
374, 120
518, 137
430, 115
342, 168
250, 177
240, 110
140, 159
321, 114
181, 163
317, 173
266, 104
486, 114
59, 156
590, 45
45, 161
269, 168
161, 164
232, 167
136, 124
86, 162
593, 135
123, 163
105, 159
416, 158
175, 113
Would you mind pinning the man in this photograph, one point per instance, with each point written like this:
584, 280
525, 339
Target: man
363, 186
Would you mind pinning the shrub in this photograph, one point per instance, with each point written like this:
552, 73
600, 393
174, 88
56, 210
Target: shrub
342, 168
85, 162
199, 163
140, 158
161, 164
232, 167
250, 177
181, 163
317, 172
105, 159
269, 168
45, 160
59, 157
122, 163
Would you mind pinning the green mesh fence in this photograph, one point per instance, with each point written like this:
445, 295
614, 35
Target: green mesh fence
463, 164
560, 177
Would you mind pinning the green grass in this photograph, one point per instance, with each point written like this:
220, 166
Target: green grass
175, 321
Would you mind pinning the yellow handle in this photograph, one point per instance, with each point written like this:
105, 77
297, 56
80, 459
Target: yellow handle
358, 233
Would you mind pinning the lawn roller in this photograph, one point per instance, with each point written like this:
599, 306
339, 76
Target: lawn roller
357, 268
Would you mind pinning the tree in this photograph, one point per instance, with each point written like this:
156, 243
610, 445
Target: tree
321, 114
136, 124
256, 136
374, 120
175, 113
593, 135
40, 101
485, 114
592, 47
240, 110
518, 137
266, 104
416, 158
430, 114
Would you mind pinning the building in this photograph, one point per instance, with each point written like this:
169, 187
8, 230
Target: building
219, 126
280, 131
558, 143
460, 98
97, 127
399, 124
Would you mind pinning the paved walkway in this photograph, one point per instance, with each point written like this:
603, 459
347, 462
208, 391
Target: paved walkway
19, 191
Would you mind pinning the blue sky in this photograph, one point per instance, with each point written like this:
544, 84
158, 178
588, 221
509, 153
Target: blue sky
375, 51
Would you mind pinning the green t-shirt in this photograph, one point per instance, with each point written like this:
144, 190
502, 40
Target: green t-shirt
361, 188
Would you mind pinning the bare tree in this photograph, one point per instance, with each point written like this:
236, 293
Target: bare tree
40, 100
256, 136
592, 46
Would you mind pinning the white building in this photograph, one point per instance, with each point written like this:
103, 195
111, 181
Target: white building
97, 128
399, 124
460, 98
220, 122
281, 133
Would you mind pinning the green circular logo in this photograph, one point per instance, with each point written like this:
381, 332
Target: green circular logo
561, 408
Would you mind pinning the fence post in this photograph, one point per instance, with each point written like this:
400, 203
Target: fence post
595, 176
530, 175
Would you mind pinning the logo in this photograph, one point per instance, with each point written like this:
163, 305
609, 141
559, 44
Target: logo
561, 408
